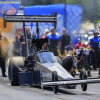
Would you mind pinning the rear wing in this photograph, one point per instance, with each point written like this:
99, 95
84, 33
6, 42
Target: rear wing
30, 18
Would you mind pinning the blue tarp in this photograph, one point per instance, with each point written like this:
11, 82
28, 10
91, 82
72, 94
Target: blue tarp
74, 15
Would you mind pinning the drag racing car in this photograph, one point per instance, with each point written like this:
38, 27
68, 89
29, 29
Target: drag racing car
40, 68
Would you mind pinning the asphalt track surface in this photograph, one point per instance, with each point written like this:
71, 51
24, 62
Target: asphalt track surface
8, 92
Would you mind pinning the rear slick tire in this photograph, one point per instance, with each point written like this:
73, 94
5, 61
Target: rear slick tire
15, 64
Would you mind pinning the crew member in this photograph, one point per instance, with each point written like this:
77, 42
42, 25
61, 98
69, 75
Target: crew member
24, 44
80, 45
4, 45
54, 38
65, 41
94, 45
44, 36
16, 43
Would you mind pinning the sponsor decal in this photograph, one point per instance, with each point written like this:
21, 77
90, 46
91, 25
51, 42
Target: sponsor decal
9, 8
72, 82
49, 75
80, 47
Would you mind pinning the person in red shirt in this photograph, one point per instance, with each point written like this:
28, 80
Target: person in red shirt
80, 45
44, 36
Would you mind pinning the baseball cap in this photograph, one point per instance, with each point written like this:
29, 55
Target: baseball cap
96, 32
79, 39
53, 29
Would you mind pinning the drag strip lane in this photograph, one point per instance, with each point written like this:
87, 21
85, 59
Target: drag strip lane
8, 92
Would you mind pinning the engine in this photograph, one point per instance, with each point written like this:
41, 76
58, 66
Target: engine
29, 63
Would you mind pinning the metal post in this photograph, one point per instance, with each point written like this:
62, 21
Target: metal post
24, 31
25, 38
37, 30
65, 14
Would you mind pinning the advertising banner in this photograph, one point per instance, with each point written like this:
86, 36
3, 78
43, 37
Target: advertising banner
12, 9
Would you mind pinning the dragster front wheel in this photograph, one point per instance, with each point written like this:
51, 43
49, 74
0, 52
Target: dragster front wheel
55, 78
83, 76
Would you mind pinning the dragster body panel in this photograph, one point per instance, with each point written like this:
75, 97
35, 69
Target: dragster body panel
61, 72
46, 70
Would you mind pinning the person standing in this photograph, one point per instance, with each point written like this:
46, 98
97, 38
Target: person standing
54, 39
24, 44
94, 45
43, 37
4, 45
80, 45
65, 41
16, 43
45, 34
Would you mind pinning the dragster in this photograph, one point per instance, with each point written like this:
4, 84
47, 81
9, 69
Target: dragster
40, 68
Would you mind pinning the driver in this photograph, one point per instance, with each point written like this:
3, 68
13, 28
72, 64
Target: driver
94, 45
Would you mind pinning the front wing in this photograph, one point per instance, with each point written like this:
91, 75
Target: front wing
70, 82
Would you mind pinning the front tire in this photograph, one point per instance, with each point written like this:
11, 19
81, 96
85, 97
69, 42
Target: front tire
83, 76
55, 78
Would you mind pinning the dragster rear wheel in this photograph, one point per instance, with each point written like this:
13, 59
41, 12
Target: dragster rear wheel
55, 78
14, 64
83, 76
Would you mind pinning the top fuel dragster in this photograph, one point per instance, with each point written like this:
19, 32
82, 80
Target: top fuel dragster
40, 67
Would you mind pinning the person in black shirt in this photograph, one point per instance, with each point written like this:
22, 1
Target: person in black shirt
65, 41
24, 44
